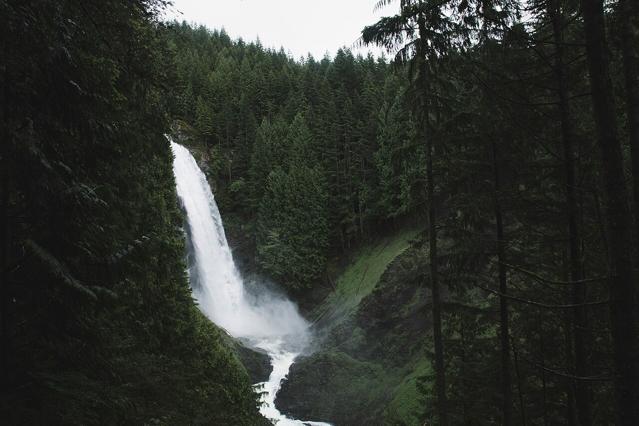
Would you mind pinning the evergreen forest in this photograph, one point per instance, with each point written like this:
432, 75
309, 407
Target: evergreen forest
456, 220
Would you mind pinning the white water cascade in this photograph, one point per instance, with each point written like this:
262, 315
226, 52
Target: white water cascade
267, 322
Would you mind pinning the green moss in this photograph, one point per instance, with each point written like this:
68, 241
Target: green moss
407, 405
360, 277
373, 330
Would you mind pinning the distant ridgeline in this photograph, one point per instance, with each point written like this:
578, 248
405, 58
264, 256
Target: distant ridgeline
98, 323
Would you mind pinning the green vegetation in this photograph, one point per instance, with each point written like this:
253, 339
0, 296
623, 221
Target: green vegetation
407, 405
292, 221
98, 322
300, 169
482, 133
371, 354
361, 276
511, 139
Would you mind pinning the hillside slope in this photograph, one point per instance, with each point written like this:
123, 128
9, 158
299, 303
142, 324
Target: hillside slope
372, 351
97, 322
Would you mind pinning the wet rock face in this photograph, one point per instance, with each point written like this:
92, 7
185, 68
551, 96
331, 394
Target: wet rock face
329, 386
300, 396
256, 362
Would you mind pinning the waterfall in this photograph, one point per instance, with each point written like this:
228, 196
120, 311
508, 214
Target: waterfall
266, 321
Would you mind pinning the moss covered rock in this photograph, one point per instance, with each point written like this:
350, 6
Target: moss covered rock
256, 362
332, 386
373, 354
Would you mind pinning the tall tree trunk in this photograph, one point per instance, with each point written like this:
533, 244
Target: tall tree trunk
621, 274
542, 354
504, 331
520, 391
568, 321
4, 225
4, 243
466, 394
580, 322
629, 39
440, 376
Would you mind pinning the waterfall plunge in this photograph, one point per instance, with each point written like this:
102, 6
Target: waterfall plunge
266, 321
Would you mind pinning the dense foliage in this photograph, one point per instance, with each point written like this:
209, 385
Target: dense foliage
98, 322
308, 158
507, 128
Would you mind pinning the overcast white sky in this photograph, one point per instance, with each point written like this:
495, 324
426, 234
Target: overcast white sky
300, 26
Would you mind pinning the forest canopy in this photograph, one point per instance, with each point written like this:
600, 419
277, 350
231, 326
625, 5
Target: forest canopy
505, 131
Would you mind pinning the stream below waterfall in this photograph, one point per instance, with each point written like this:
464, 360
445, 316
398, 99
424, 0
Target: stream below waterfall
266, 321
